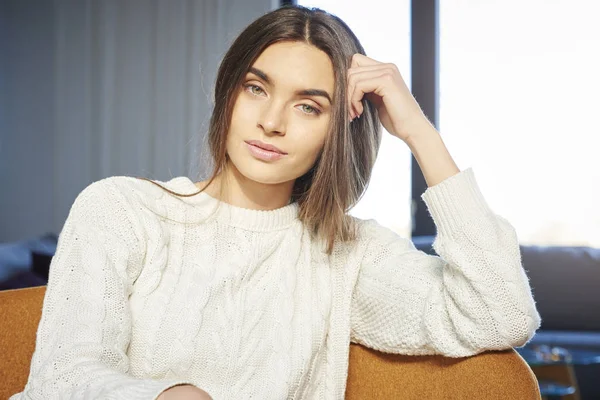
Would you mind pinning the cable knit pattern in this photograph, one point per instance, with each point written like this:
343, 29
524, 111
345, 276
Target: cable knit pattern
148, 290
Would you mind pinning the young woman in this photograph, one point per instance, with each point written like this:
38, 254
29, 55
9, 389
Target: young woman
253, 283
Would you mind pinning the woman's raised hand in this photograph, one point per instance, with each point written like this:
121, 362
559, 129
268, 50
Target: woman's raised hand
384, 86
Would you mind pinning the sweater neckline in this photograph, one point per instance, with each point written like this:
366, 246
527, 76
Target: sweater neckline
250, 219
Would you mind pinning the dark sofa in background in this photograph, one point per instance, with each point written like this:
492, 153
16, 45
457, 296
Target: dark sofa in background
26, 263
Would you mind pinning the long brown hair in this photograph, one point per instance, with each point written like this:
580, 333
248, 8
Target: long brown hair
343, 169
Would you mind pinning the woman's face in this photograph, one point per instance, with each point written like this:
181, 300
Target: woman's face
284, 101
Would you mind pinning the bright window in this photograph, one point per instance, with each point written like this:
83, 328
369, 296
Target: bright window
519, 87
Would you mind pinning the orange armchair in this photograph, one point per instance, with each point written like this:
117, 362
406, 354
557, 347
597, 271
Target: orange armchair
372, 375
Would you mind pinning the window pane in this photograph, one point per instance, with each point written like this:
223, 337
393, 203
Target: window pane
519, 103
386, 38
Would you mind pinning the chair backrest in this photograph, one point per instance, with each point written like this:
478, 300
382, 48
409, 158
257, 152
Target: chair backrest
371, 375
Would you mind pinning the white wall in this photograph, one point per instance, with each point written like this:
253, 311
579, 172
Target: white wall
94, 89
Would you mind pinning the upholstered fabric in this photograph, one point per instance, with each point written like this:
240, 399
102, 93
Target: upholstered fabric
372, 375
490, 375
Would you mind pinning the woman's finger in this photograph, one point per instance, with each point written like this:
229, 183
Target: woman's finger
359, 60
361, 83
353, 70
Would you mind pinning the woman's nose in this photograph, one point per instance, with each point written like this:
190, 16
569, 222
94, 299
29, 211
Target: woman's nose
272, 119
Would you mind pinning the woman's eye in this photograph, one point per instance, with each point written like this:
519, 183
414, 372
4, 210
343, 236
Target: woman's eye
256, 90
310, 109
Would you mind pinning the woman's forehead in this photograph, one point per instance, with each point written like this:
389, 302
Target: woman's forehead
297, 65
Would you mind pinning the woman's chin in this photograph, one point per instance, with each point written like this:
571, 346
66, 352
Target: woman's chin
261, 173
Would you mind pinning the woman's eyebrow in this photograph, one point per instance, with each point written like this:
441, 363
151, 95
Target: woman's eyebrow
306, 92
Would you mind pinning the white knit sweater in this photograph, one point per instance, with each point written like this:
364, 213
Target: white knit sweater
148, 290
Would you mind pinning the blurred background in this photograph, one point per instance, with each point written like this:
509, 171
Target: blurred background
97, 88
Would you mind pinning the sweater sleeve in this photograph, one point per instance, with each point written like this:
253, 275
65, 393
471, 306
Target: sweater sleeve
85, 327
474, 297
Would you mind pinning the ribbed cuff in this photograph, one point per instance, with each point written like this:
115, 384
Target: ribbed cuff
455, 201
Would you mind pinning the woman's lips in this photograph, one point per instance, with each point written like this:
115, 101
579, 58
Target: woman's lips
265, 146
263, 154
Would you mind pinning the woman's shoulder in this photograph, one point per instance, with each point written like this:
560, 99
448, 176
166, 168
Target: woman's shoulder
118, 195
124, 183
364, 226
106, 193
128, 186
148, 200
107, 208
371, 229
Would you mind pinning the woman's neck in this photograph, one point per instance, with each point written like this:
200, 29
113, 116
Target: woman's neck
231, 187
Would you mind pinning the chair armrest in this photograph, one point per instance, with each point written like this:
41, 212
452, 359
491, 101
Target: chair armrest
21, 310
490, 375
